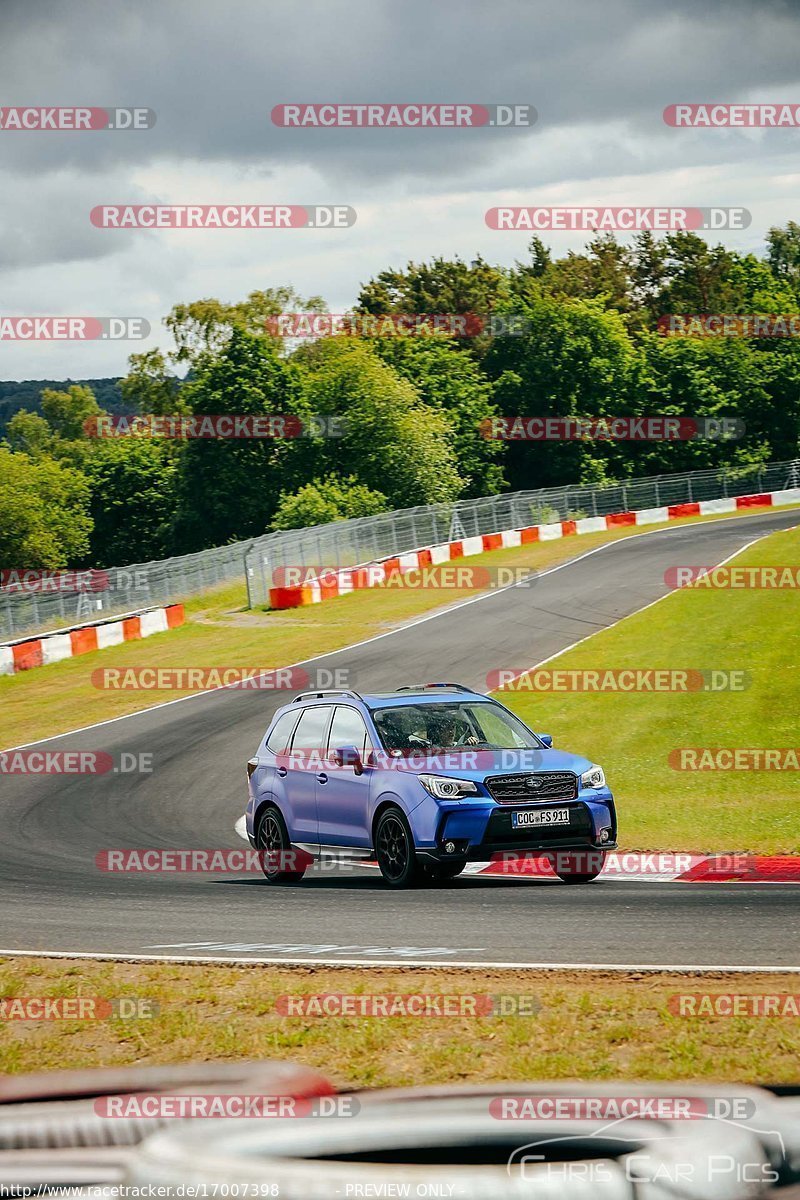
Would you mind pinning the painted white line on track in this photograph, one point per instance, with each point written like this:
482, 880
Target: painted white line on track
639, 968
571, 562
635, 613
319, 948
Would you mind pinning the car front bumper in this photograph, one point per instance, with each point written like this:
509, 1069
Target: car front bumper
478, 829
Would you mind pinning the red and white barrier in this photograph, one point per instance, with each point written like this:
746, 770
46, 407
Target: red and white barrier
348, 579
67, 643
635, 866
658, 867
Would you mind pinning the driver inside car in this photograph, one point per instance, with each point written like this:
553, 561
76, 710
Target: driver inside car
452, 732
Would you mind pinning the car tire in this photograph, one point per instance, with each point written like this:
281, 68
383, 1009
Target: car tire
394, 850
581, 876
273, 839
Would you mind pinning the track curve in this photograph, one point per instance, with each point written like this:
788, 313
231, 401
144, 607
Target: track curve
53, 898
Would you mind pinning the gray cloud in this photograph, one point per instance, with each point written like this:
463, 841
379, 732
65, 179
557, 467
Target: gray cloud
213, 73
599, 75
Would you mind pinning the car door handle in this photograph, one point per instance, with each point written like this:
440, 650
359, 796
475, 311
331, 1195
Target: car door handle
322, 777
282, 772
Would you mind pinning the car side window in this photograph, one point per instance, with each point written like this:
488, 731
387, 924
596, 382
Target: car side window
278, 740
310, 732
348, 729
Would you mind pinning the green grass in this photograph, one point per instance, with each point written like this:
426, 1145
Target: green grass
220, 633
631, 735
589, 1025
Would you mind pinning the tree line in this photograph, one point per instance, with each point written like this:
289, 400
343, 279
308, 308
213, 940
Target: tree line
587, 344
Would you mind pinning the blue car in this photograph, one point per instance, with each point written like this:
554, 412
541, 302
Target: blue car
424, 780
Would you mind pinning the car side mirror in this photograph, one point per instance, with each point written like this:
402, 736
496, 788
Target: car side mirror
348, 756
547, 739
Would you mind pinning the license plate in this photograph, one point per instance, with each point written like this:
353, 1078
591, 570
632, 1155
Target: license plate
539, 816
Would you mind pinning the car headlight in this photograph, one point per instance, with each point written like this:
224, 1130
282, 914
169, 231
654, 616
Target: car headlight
593, 778
444, 788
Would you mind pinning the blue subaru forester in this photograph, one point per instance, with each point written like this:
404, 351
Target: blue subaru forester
424, 780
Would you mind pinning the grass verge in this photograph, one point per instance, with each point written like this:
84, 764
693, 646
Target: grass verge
633, 734
220, 633
593, 1026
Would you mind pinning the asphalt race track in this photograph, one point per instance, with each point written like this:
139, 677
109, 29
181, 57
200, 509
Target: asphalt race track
53, 897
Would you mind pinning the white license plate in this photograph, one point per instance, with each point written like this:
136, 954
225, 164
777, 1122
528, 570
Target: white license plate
539, 816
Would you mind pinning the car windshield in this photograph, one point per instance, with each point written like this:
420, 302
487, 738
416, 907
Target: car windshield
415, 727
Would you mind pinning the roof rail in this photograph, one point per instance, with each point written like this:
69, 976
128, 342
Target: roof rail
421, 687
326, 692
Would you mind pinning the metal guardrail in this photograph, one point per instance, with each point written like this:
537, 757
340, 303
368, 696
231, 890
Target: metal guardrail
345, 543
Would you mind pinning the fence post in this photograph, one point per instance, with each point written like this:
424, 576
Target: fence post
456, 526
247, 576
9, 630
262, 558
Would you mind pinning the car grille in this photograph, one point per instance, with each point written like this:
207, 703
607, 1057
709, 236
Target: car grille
529, 788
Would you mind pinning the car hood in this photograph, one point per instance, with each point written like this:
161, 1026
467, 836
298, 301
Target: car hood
478, 764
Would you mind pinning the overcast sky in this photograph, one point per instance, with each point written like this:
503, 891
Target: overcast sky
599, 72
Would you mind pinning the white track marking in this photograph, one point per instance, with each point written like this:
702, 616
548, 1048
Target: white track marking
571, 562
659, 969
635, 613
